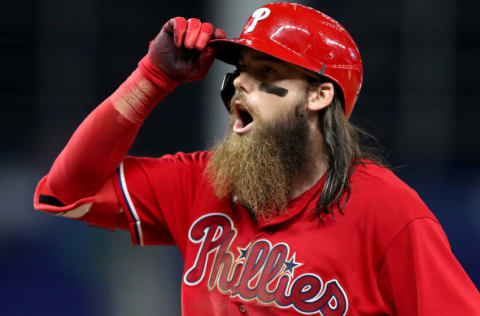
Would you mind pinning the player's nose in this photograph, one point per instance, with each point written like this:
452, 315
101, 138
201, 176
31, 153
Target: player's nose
244, 82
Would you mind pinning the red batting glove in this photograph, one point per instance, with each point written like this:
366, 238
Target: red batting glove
180, 49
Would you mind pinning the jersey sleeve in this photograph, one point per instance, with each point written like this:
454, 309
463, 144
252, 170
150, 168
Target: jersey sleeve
101, 209
150, 197
156, 195
419, 274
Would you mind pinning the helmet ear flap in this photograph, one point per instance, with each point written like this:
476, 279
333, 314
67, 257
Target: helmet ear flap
227, 90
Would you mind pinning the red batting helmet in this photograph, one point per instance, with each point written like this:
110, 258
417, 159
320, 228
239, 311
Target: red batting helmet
304, 37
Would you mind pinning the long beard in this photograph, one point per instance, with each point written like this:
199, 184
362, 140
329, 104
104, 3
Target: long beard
259, 168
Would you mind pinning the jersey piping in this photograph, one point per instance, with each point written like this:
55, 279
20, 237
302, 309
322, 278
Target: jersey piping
130, 206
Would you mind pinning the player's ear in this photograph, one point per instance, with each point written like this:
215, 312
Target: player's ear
319, 96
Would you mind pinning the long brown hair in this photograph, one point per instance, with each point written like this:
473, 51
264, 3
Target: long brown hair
345, 146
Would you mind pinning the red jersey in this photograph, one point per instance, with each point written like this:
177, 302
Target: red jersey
387, 255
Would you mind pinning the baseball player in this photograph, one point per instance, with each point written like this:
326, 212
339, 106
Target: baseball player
287, 215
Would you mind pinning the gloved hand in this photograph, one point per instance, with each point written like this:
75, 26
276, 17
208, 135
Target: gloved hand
180, 49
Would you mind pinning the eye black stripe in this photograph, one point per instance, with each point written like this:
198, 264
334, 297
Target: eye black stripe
273, 89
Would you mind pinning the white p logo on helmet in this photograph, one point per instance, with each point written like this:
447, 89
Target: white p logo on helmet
258, 15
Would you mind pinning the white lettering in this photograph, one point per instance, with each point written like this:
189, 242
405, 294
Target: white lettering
258, 15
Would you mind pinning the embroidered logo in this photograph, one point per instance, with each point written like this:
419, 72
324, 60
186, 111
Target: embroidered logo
262, 271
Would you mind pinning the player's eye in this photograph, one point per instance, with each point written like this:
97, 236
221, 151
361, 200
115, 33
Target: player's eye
260, 71
268, 69
267, 73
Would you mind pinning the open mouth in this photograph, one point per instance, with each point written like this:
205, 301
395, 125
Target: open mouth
244, 121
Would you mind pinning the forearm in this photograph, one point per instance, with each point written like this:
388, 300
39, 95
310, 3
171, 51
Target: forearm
101, 141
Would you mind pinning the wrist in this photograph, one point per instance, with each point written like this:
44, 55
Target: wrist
156, 76
142, 91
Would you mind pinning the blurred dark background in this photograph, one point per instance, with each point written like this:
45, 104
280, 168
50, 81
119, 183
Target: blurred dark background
59, 59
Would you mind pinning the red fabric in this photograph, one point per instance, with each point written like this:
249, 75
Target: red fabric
158, 78
44, 189
386, 256
94, 151
100, 143
103, 211
419, 263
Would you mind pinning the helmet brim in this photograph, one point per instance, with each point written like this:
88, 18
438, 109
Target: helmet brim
228, 51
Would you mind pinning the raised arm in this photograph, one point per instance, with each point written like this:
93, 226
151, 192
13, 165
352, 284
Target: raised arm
178, 54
